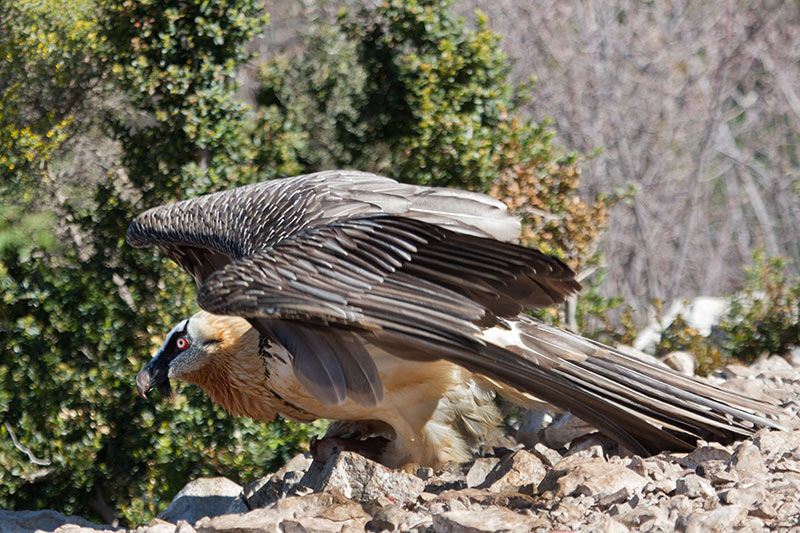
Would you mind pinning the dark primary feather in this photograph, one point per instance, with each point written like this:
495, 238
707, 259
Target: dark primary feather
647, 407
324, 262
358, 266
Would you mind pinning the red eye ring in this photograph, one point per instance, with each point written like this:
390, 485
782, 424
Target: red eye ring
182, 343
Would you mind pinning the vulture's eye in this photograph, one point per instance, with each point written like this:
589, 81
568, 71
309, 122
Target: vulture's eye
182, 343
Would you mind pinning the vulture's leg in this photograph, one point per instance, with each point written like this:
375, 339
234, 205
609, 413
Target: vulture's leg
365, 437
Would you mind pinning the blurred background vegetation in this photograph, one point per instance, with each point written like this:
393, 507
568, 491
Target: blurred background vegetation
108, 107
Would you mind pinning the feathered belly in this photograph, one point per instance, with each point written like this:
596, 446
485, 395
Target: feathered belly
414, 388
437, 410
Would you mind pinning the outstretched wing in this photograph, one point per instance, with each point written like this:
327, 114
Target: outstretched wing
359, 252
328, 263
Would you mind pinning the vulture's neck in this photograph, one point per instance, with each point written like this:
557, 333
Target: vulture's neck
233, 375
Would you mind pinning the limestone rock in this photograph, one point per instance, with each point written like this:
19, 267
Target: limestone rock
746, 496
30, 521
738, 371
793, 356
704, 453
655, 468
363, 480
203, 497
324, 511
489, 520
747, 463
260, 520
393, 518
479, 470
771, 442
268, 489
592, 477
683, 362
649, 518
158, 526
586, 446
516, 471
771, 364
725, 518
546, 454
694, 486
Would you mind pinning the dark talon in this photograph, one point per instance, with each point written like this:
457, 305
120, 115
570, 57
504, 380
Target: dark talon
326, 447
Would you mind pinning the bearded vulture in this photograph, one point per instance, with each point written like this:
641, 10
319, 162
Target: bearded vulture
399, 310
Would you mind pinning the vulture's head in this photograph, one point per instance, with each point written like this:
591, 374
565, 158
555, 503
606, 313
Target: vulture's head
194, 346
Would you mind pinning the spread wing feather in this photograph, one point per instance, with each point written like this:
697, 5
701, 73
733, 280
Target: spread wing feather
435, 313
308, 236
360, 268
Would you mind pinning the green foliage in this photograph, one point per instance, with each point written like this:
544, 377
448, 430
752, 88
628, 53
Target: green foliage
21, 232
44, 76
177, 63
679, 336
436, 94
309, 109
762, 319
403, 89
765, 317
592, 314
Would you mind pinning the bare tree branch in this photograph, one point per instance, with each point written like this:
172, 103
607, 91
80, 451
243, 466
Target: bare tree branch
666, 88
27, 451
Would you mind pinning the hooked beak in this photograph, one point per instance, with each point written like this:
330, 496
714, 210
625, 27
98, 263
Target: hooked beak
153, 375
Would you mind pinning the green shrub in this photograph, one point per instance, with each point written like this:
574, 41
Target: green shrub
679, 336
45, 72
80, 311
764, 318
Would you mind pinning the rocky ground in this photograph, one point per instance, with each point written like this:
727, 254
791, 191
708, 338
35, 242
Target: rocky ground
565, 479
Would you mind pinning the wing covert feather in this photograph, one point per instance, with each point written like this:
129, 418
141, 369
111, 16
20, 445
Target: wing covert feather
229, 225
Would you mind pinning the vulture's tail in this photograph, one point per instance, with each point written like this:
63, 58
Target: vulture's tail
647, 407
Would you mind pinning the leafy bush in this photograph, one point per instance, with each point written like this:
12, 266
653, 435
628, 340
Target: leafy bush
765, 317
679, 336
404, 89
45, 73
79, 317
176, 63
762, 319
